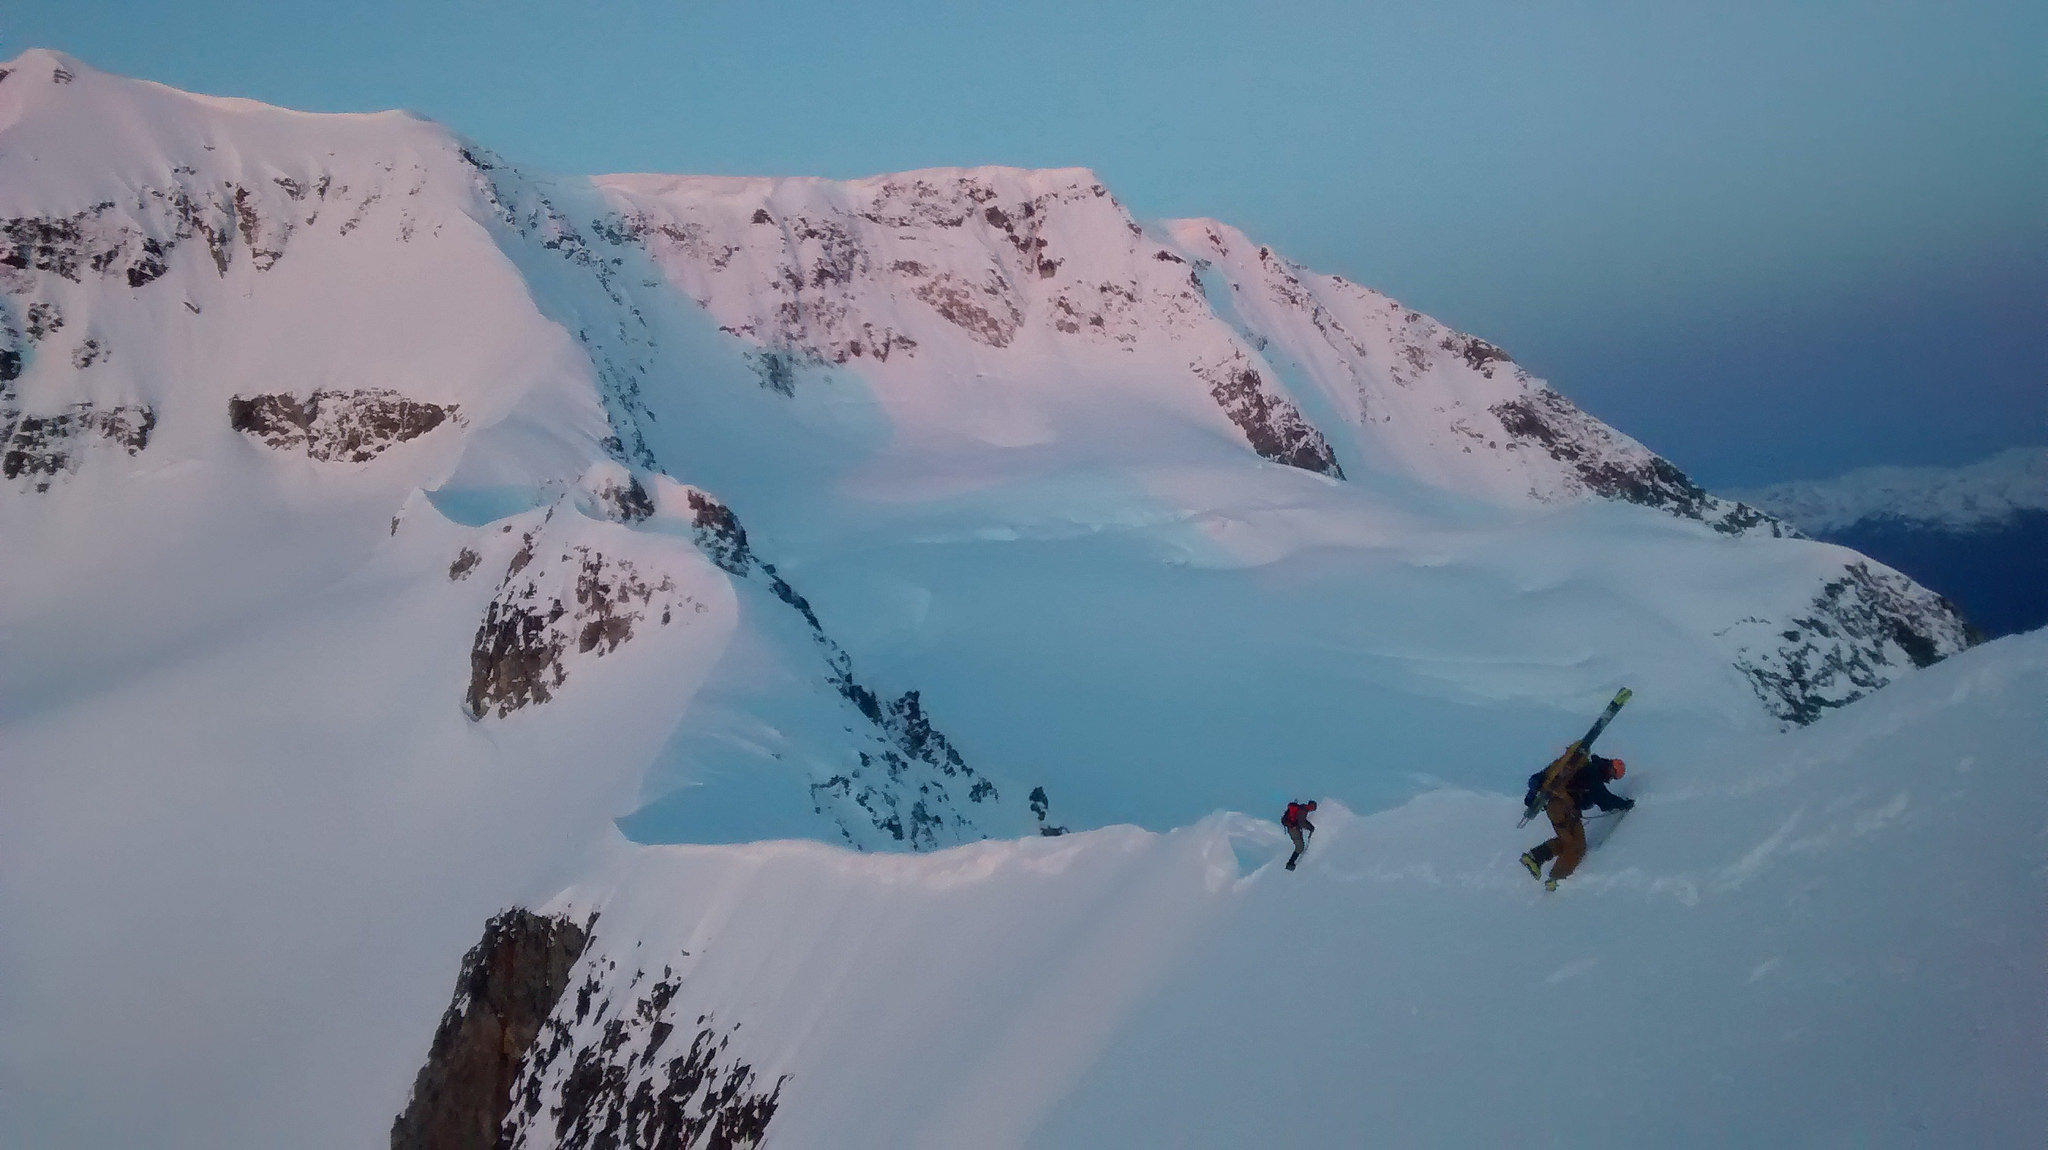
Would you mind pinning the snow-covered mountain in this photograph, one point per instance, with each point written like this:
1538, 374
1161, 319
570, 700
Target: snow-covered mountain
1979, 533
387, 527
1956, 499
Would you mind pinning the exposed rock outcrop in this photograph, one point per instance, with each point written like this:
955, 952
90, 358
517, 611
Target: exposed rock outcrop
623, 357
1543, 419
133, 241
633, 1065
905, 779
40, 448
1860, 630
510, 983
554, 605
337, 426
1271, 424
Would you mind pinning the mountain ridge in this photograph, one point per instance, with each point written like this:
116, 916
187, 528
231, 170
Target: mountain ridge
389, 526
1955, 499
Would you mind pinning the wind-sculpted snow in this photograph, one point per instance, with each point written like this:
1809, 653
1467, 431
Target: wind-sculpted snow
899, 782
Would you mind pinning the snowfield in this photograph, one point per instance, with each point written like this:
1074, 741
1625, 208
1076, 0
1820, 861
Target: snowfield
390, 536
1831, 937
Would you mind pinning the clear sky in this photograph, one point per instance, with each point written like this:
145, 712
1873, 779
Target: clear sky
1772, 240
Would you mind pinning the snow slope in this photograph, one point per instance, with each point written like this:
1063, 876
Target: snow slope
383, 524
1830, 937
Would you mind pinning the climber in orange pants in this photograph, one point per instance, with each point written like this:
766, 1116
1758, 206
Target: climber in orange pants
1571, 783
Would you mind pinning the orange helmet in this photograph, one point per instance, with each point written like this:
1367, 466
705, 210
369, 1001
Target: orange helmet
1619, 769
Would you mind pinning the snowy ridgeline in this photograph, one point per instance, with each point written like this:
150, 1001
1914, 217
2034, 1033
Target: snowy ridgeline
1977, 534
386, 525
1953, 499
1831, 938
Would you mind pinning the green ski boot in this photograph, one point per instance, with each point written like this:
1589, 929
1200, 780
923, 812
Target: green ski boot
1535, 868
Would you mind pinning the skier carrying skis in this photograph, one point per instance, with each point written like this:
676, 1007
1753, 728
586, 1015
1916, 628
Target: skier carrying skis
1296, 821
1573, 782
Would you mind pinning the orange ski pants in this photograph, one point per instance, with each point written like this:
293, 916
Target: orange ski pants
1569, 847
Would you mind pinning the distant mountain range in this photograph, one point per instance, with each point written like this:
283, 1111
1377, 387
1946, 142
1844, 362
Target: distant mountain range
1978, 534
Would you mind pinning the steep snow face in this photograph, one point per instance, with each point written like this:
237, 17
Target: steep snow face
383, 521
1954, 499
1427, 401
1825, 938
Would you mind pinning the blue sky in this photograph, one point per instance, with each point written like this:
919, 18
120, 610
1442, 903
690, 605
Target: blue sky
1771, 240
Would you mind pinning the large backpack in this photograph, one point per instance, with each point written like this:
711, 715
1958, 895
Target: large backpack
1552, 782
1294, 815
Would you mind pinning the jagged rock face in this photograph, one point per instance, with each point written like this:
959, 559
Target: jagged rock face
527, 209
94, 242
1545, 420
906, 780
889, 270
626, 502
626, 1060
133, 242
1275, 429
895, 781
511, 982
555, 606
1437, 402
1860, 630
798, 273
337, 426
38, 449
464, 563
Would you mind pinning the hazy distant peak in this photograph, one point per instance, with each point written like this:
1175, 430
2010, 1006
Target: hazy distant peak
1956, 498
